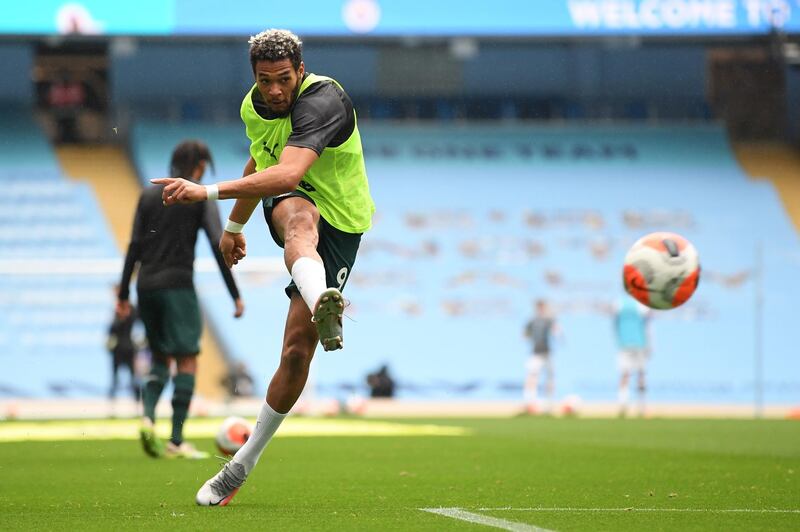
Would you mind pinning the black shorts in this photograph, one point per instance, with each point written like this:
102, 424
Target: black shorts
336, 248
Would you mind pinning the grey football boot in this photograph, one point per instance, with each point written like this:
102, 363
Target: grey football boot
220, 489
328, 319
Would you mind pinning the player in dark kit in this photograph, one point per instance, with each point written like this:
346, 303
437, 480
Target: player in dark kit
162, 243
307, 166
122, 349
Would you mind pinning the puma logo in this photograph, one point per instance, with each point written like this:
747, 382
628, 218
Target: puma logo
308, 187
271, 151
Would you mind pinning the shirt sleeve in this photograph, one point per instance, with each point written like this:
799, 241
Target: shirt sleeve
134, 250
317, 117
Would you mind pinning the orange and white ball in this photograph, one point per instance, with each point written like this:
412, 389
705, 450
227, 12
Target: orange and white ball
232, 434
661, 270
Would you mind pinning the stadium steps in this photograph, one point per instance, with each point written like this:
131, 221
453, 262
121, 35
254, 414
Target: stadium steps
778, 163
108, 170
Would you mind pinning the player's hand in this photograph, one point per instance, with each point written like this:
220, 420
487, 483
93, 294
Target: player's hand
123, 309
239, 308
179, 190
233, 247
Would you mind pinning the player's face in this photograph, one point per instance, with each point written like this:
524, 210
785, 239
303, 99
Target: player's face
277, 82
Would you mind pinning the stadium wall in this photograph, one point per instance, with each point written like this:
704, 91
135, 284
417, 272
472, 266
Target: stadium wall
793, 102
201, 79
15, 81
220, 72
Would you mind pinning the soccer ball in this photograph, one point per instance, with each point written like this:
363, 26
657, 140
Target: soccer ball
232, 434
661, 270
571, 405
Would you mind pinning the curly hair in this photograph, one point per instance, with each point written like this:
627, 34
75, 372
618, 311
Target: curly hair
274, 45
186, 156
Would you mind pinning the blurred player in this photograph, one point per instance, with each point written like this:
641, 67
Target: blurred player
631, 329
381, 383
162, 243
122, 349
540, 331
307, 168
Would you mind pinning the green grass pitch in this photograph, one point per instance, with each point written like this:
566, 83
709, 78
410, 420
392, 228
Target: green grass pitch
520, 473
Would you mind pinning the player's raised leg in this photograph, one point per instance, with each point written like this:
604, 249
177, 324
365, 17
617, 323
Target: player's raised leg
296, 220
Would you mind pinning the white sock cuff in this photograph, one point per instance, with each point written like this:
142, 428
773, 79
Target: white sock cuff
268, 411
268, 422
306, 262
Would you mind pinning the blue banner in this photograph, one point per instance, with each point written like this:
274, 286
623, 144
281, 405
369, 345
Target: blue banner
384, 18
95, 17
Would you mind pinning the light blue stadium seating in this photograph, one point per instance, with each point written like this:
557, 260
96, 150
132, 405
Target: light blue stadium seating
52, 326
473, 223
530, 203
23, 148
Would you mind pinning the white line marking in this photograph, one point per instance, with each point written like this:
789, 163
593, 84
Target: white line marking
458, 513
267, 265
701, 510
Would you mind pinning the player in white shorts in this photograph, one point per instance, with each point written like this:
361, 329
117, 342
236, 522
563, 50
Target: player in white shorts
631, 328
539, 332
632, 360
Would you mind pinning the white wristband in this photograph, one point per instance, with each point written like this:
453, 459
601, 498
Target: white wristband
233, 227
213, 192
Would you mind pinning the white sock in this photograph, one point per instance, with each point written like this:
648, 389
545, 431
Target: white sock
548, 404
268, 422
309, 276
623, 395
529, 394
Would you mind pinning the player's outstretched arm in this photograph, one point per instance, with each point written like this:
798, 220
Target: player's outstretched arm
279, 179
283, 177
180, 190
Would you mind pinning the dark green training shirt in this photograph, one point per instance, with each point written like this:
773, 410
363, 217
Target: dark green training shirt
163, 242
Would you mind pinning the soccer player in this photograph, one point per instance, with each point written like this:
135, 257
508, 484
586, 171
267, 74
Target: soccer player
631, 329
540, 331
122, 348
162, 243
307, 168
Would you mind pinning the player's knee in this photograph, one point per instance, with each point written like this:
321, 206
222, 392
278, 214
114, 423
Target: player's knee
187, 364
300, 225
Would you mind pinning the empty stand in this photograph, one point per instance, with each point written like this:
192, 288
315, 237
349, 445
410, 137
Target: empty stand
57, 266
475, 222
